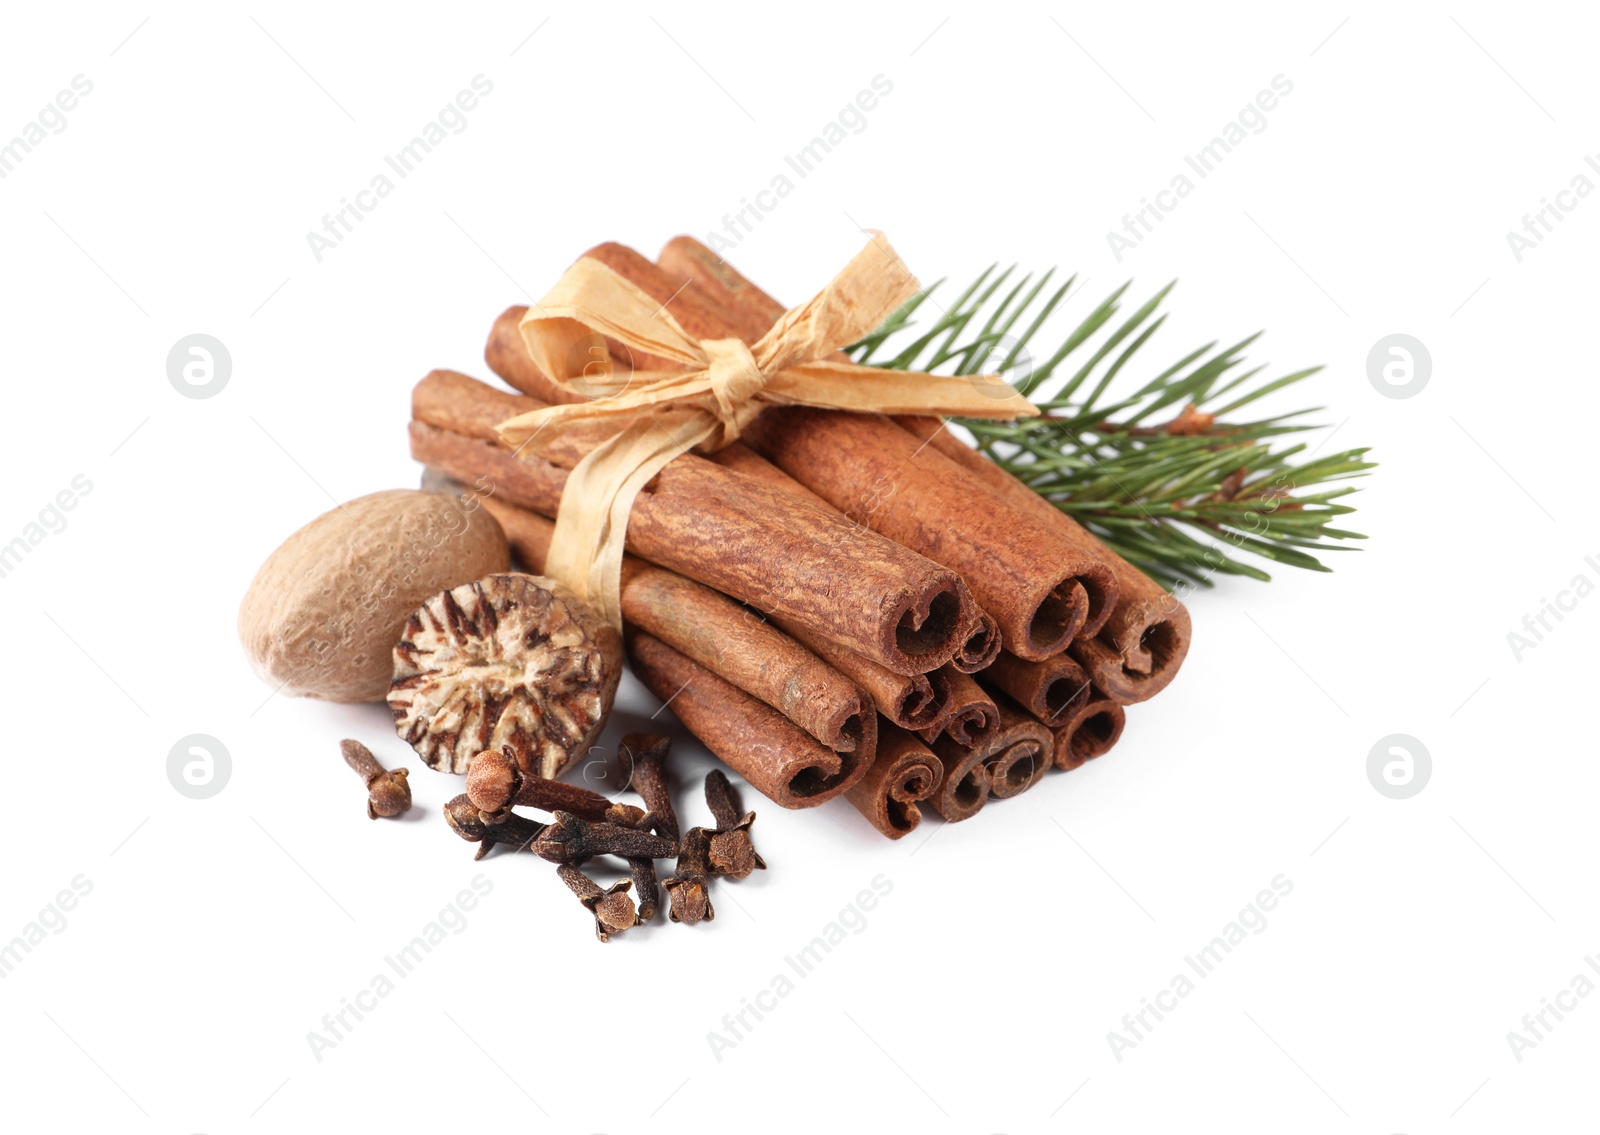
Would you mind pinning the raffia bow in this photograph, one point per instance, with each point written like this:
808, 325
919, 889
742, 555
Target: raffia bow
725, 383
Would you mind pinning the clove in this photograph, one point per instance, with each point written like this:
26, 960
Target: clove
388, 793
473, 826
688, 889
612, 908
644, 883
649, 780
495, 784
730, 850
570, 840
646, 890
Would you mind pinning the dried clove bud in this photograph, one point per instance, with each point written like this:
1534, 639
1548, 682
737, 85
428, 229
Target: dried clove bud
388, 793
612, 908
688, 889
649, 779
495, 784
644, 881
731, 852
646, 890
571, 840
473, 826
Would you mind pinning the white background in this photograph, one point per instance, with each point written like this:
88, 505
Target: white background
979, 995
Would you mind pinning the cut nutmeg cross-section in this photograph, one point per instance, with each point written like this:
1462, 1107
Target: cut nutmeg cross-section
512, 661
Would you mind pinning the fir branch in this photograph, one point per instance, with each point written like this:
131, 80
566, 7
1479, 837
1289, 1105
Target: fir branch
1155, 471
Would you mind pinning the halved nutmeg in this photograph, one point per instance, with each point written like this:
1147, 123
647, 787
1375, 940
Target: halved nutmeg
514, 661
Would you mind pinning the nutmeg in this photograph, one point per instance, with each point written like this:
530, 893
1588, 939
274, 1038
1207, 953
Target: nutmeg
323, 614
511, 662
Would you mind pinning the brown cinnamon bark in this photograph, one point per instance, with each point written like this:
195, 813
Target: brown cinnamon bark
687, 302
965, 785
1020, 751
681, 294
912, 701
453, 397
743, 459
1090, 732
1138, 651
688, 259
971, 716
779, 759
981, 648
721, 635
1041, 587
1051, 690
507, 355
532, 484
739, 535
904, 774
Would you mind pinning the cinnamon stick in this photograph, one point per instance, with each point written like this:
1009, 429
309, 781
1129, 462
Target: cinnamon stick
721, 635
981, 646
1042, 588
777, 757
964, 785
755, 542
741, 458
1089, 732
904, 774
1144, 641
688, 259
682, 294
971, 716
701, 314
1008, 759
911, 701
506, 352
1020, 751
727, 301
1051, 690
507, 355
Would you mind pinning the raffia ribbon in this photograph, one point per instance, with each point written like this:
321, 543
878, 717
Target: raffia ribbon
725, 383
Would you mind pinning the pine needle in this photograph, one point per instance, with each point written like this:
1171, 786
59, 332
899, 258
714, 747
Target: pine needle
1158, 472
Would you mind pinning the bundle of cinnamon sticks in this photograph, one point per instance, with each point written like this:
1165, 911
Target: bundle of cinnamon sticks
839, 603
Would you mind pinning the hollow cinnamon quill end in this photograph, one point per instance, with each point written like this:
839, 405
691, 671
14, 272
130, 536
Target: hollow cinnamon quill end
981, 647
904, 774
931, 628
778, 758
964, 785
1058, 619
1020, 766
1077, 608
925, 704
971, 717
844, 731
1103, 590
1140, 651
506, 352
1090, 732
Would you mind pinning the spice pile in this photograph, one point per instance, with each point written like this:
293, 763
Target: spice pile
585, 824
839, 603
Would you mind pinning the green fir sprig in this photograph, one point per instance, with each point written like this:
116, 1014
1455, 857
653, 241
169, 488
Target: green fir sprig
1165, 471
